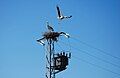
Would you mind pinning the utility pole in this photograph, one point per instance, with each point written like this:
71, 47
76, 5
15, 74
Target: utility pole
55, 61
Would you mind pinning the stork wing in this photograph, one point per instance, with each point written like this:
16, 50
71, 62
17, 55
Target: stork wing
58, 10
50, 28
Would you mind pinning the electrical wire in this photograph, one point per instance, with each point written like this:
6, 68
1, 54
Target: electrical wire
85, 52
116, 76
59, 46
100, 50
78, 58
62, 48
98, 66
69, 45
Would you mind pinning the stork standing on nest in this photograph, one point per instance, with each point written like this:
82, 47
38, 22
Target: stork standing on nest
51, 35
50, 28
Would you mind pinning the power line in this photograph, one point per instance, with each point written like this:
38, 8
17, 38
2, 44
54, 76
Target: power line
104, 52
96, 65
116, 77
85, 52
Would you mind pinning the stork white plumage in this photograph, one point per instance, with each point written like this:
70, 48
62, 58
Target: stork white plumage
60, 15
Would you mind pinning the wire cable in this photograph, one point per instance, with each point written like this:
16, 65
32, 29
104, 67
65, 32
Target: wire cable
96, 65
85, 52
104, 52
69, 45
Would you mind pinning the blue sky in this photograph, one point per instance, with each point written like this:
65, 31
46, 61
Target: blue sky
95, 22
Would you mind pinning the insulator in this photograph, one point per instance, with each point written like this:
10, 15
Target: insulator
69, 55
64, 53
60, 54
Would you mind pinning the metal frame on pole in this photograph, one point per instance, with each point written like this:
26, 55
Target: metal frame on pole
55, 63
50, 55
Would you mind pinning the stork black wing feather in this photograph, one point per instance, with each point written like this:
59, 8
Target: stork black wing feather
58, 10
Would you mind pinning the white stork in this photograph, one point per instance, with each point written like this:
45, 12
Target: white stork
49, 27
60, 16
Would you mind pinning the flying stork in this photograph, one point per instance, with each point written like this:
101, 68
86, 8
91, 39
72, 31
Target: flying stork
60, 15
